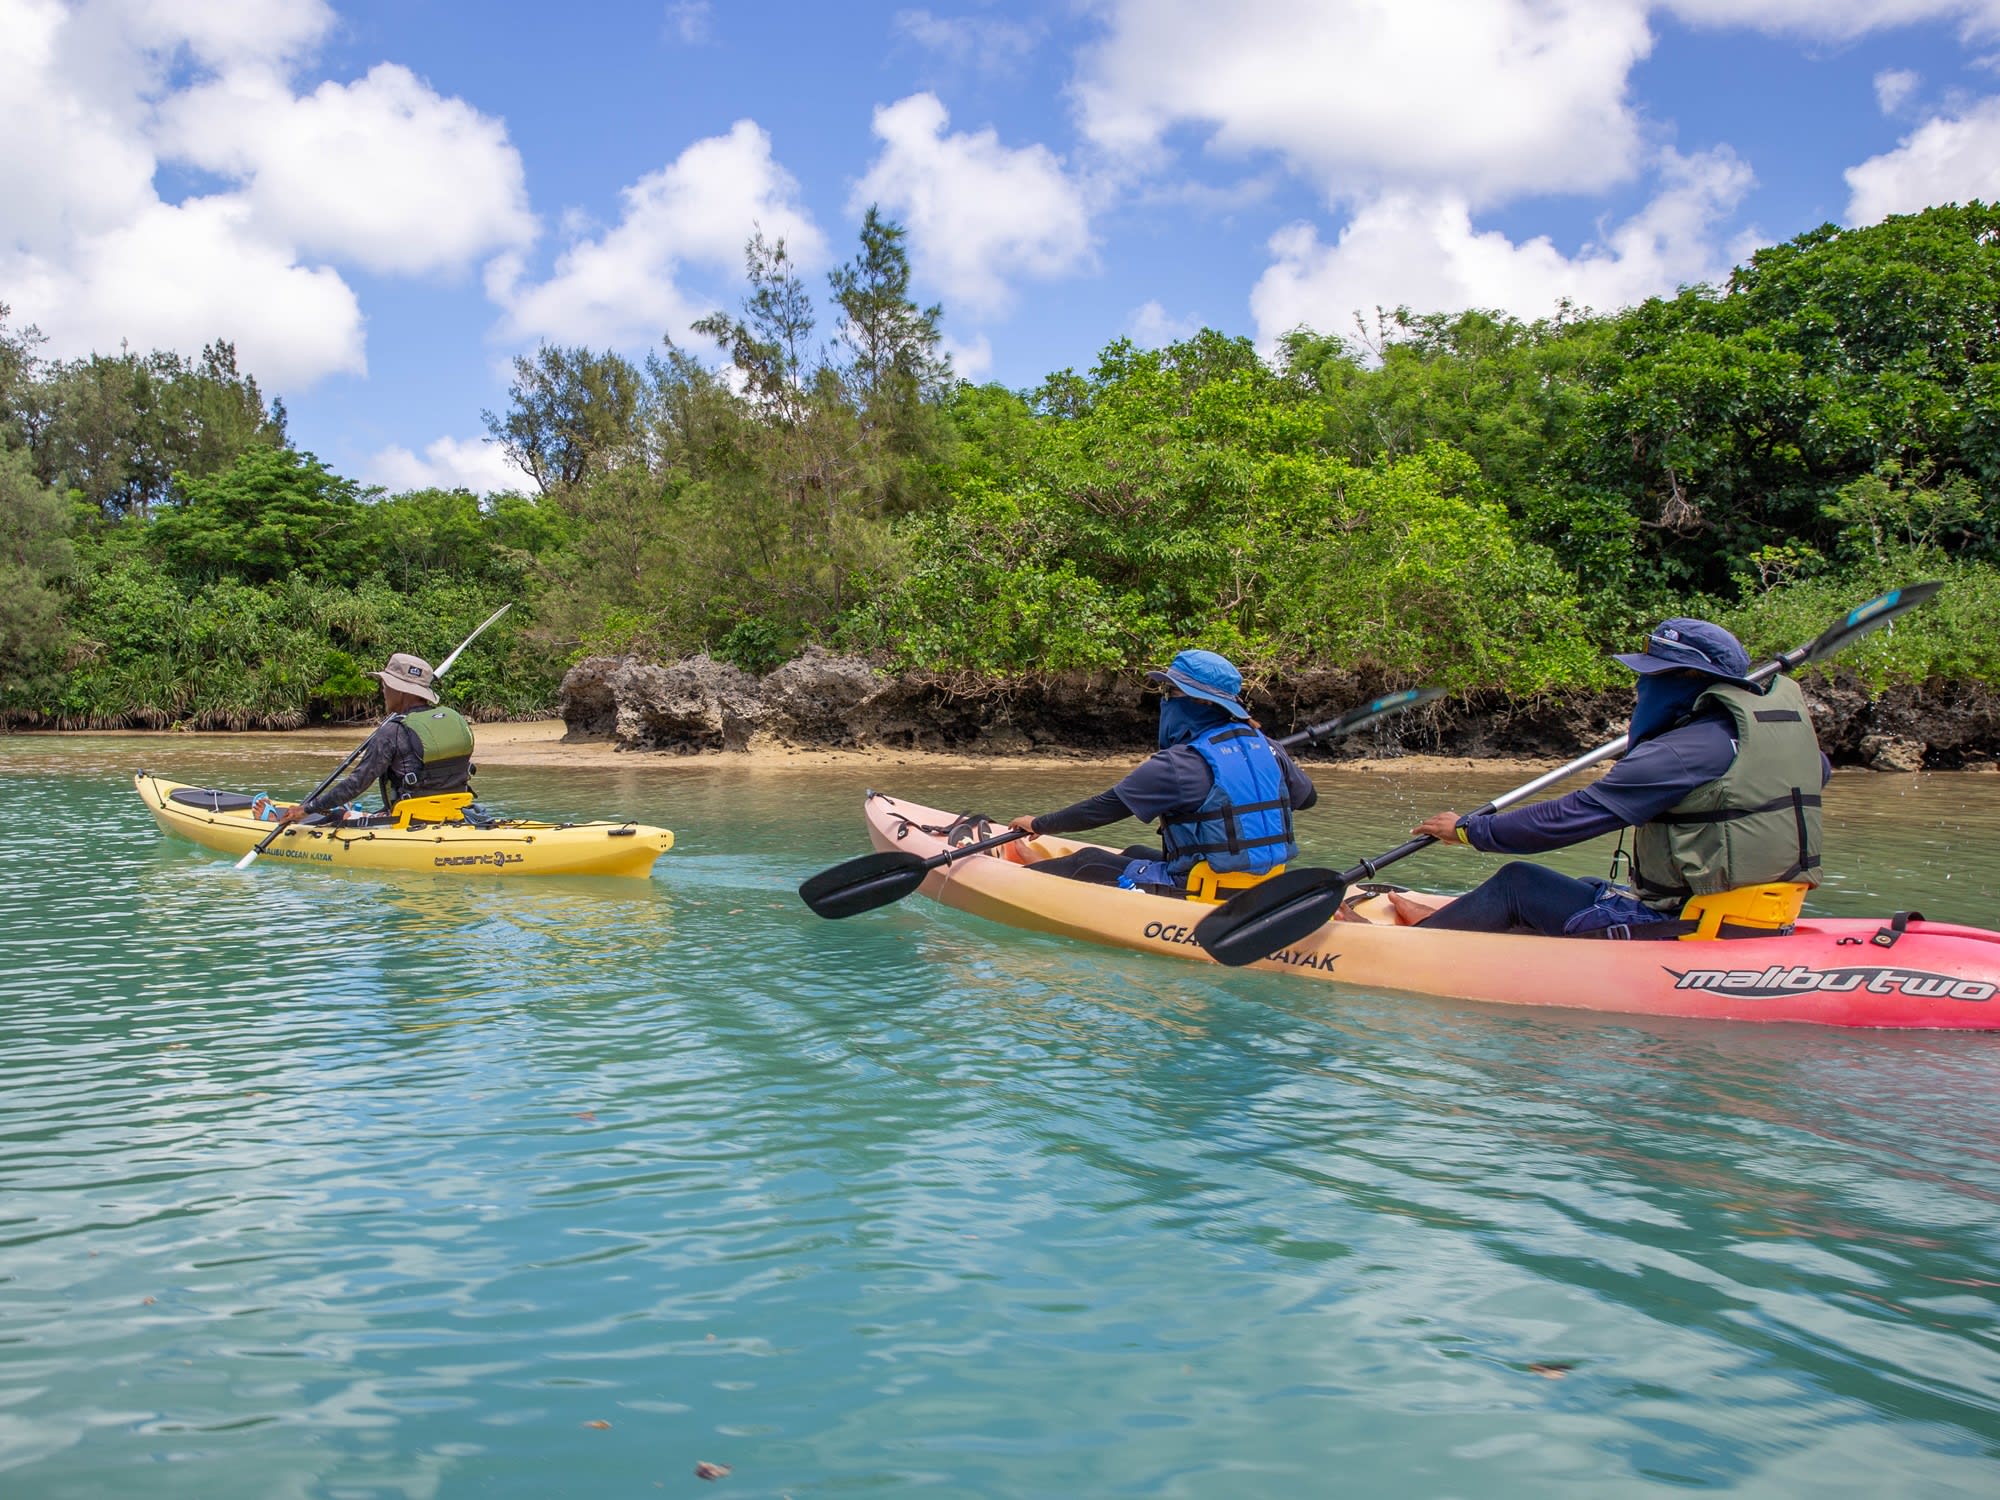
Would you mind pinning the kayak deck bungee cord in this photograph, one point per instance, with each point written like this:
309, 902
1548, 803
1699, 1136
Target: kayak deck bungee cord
1898, 971
511, 846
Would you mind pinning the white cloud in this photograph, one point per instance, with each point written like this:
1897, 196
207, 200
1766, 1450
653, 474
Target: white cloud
1212, 200
691, 22
90, 252
1152, 327
71, 159
450, 463
969, 359
1421, 251
980, 214
1946, 160
95, 98
989, 44
1893, 86
1837, 20
622, 288
381, 173
1489, 99
178, 276
224, 33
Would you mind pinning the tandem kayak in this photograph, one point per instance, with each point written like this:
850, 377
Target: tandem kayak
223, 820
1900, 972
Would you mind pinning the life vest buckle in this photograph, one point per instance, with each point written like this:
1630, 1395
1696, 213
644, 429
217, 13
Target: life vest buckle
1206, 883
1772, 908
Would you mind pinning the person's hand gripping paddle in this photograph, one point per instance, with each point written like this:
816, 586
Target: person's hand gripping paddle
873, 880
340, 770
1278, 912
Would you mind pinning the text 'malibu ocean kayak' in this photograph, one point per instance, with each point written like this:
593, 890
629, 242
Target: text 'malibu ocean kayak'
1892, 972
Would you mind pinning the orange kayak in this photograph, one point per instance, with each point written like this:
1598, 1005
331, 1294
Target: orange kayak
1828, 971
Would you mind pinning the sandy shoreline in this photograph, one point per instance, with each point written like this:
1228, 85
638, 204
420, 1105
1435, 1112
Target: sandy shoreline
540, 742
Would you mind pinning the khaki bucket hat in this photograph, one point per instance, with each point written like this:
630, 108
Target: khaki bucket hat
408, 674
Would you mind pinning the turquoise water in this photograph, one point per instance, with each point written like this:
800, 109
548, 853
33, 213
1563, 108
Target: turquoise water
338, 1186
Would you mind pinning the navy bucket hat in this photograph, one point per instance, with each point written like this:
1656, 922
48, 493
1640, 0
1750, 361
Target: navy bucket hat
1205, 675
1691, 646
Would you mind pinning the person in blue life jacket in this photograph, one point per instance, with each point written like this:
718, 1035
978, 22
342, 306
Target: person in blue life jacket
1219, 789
421, 749
1721, 786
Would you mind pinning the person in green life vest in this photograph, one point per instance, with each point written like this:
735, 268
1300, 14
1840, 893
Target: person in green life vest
1721, 787
421, 749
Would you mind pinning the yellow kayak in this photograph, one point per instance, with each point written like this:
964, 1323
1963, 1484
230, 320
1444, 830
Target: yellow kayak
223, 820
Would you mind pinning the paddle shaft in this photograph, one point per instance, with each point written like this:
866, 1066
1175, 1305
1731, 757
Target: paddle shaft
874, 880
1345, 724
1303, 737
338, 771
937, 861
1368, 868
1284, 908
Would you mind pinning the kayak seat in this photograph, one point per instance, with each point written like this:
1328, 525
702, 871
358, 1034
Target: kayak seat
1771, 908
1205, 883
444, 807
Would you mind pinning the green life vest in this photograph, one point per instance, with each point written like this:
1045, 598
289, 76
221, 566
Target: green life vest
447, 742
1755, 824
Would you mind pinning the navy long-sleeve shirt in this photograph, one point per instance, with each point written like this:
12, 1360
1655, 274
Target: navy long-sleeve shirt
1651, 778
1174, 780
393, 748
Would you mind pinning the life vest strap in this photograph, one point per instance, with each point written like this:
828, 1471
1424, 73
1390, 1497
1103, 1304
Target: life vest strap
1233, 846
1794, 799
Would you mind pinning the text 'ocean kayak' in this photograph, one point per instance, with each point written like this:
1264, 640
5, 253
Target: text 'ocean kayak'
1829, 971
222, 820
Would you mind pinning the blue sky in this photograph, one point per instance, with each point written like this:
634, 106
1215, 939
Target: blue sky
381, 203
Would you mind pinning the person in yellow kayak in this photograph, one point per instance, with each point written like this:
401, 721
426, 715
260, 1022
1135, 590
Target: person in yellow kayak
421, 749
1721, 787
1220, 790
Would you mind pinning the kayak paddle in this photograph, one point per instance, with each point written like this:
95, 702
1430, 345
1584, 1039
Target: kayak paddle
873, 880
1278, 912
265, 842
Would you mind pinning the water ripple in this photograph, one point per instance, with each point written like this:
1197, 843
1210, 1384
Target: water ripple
316, 1184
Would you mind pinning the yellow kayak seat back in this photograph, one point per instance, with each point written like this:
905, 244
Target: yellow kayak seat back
443, 807
1205, 883
1775, 906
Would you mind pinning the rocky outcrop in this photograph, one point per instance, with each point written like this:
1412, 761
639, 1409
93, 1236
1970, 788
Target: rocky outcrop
684, 706
822, 700
1935, 724
1892, 752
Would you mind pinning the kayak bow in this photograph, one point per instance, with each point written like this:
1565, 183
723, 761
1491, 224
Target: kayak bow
223, 821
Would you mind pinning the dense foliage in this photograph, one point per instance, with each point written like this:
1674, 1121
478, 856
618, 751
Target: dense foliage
1469, 499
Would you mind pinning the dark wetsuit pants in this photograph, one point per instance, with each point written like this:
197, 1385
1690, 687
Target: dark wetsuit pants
1097, 866
1519, 897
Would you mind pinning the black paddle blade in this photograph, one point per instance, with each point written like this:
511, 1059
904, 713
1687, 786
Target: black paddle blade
1382, 708
1865, 617
1362, 717
1270, 916
863, 884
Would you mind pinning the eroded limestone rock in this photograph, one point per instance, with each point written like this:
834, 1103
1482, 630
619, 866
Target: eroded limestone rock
1892, 752
824, 700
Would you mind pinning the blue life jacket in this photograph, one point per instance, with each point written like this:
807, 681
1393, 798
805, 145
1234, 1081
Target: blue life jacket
1243, 825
